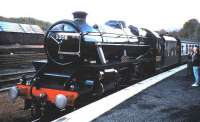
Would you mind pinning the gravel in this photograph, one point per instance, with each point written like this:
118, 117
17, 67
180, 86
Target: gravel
12, 111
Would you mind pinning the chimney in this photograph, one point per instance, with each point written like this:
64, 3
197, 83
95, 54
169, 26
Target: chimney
80, 16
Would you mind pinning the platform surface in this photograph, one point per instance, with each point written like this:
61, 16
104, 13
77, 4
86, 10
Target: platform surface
171, 100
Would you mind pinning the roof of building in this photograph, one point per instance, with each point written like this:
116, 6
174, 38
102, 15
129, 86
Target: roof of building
20, 28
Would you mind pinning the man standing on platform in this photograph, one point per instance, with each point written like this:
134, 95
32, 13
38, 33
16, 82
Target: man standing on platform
189, 63
195, 66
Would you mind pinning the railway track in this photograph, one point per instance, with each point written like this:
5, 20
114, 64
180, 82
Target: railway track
19, 60
14, 66
7, 80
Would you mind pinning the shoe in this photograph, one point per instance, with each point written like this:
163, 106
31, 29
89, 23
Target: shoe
195, 85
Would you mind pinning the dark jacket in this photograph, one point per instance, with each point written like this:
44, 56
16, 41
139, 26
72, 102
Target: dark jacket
189, 58
195, 60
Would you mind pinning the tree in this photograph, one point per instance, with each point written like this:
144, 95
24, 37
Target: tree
162, 31
190, 29
198, 33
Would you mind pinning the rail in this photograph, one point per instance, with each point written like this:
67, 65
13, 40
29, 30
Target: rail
9, 79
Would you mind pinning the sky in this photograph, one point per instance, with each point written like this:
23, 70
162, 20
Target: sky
151, 14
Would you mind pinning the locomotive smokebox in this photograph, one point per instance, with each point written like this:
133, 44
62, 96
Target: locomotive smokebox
80, 16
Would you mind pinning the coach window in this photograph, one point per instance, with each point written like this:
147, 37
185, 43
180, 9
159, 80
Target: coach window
187, 49
182, 49
175, 51
165, 51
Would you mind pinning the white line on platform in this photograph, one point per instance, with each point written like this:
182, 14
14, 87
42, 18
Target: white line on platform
96, 109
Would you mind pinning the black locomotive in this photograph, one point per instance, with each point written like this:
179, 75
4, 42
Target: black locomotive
90, 60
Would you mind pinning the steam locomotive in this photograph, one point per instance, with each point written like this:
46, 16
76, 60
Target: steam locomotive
91, 60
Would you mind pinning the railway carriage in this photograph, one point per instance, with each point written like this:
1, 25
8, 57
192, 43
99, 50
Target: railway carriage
186, 47
172, 51
86, 60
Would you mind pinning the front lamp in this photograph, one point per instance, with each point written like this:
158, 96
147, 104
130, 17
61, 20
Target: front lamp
60, 101
13, 93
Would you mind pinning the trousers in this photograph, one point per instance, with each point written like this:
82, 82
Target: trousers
196, 73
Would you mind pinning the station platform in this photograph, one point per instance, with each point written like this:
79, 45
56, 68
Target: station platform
172, 99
